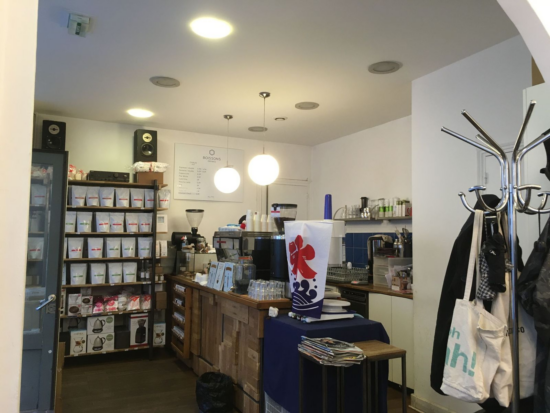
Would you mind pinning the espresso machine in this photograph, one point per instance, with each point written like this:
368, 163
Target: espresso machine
281, 213
230, 245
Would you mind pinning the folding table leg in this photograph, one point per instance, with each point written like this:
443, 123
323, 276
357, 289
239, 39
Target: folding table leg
404, 381
301, 385
343, 391
376, 395
325, 392
366, 385
369, 393
338, 391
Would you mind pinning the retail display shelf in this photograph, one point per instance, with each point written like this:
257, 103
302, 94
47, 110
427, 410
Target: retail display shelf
120, 350
106, 259
114, 184
374, 220
112, 209
181, 293
178, 322
109, 284
106, 234
179, 308
104, 314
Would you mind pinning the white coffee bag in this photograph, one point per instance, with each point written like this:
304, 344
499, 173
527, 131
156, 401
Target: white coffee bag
65, 251
92, 196
157, 249
75, 247
106, 196
78, 195
163, 248
137, 195
97, 273
84, 221
78, 274
128, 247
129, 270
117, 221
38, 194
164, 198
64, 275
149, 198
122, 197
35, 248
112, 246
145, 222
70, 221
102, 222
132, 222
95, 247
144, 247
115, 272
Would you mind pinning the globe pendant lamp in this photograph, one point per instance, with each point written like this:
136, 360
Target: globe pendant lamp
263, 169
227, 179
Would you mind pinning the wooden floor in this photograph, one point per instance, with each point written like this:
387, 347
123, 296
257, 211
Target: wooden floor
130, 383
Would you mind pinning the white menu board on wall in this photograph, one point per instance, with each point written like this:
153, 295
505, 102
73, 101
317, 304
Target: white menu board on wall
194, 170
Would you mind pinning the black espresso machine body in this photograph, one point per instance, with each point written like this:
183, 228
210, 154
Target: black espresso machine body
230, 245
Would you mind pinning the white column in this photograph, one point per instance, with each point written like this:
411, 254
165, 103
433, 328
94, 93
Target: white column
18, 31
532, 19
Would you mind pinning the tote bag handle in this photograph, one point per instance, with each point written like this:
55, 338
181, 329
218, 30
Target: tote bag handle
474, 252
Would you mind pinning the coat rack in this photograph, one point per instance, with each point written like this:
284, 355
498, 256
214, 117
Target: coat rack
513, 201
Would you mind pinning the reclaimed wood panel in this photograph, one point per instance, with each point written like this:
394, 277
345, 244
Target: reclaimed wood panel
196, 322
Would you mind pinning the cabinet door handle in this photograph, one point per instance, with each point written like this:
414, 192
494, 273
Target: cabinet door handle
45, 302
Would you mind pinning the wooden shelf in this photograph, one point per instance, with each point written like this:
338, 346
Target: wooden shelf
114, 184
105, 259
374, 220
35, 233
104, 314
180, 293
107, 234
111, 209
120, 350
109, 284
179, 308
178, 322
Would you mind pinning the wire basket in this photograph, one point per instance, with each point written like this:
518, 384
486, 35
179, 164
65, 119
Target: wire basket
344, 275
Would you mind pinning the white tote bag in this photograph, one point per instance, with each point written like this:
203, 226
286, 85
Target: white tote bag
502, 386
475, 339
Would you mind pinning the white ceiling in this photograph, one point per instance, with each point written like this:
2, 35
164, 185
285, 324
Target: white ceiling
299, 50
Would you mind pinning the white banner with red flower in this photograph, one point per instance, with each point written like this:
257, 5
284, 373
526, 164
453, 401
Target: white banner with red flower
308, 245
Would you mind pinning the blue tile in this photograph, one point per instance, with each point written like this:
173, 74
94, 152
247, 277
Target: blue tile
359, 240
349, 254
349, 240
360, 256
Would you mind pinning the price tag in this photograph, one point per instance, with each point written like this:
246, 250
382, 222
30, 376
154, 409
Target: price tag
76, 355
109, 313
126, 349
103, 352
112, 284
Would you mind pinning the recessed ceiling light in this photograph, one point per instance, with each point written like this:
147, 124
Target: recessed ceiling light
281, 119
140, 113
306, 105
257, 129
164, 81
383, 68
211, 28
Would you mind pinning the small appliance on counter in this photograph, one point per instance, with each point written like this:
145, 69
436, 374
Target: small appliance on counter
374, 243
279, 265
231, 245
194, 216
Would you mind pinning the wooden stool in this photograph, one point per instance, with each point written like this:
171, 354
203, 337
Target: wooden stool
374, 352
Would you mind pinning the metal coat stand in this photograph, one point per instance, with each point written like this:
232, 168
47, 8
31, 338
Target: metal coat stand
513, 201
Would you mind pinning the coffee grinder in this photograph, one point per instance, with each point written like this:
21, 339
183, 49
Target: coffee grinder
194, 216
279, 265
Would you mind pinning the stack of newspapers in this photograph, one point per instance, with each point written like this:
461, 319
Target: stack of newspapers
331, 352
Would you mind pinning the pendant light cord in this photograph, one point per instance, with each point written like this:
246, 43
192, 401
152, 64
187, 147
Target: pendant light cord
227, 143
264, 126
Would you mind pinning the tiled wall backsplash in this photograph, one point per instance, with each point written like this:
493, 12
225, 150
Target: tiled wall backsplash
356, 246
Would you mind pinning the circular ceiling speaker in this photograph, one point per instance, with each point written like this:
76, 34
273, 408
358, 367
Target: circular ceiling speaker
306, 105
257, 129
384, 68
164, 81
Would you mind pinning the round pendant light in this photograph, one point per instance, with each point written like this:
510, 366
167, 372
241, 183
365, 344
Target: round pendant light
263, 169
227, 179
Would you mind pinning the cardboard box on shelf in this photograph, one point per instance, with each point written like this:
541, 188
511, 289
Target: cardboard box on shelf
159, 334
138, 324
73, 324
159, 270
149, 177
101, 342
101, 324
162, 300
74, 304
78, 342
122, 337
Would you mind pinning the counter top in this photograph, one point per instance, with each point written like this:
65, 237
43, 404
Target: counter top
241, 299
375, 289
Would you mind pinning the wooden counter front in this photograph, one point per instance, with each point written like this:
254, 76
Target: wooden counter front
224, 333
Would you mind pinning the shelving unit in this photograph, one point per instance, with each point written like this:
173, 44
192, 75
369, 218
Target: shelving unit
374, 220
182, 346
121, 350
150, 260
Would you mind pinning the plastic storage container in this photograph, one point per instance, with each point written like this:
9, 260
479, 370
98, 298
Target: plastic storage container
245, 271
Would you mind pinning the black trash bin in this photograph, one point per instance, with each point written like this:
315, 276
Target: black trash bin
214, 393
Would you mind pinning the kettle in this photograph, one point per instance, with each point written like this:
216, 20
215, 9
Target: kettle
98, 343
98, 325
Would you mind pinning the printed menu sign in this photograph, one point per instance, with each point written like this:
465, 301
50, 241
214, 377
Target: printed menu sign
194, 170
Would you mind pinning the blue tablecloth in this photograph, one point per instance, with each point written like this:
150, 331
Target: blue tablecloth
281, 363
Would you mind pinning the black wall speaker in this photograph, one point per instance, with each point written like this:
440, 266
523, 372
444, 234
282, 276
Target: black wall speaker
145, 145
53, 135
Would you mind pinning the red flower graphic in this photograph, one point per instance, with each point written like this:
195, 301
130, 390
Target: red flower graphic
298, 256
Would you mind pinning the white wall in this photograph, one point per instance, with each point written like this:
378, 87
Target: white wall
18, 25
375, 162
107, 146
490, 86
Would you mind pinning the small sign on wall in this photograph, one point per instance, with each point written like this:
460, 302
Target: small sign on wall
194, 170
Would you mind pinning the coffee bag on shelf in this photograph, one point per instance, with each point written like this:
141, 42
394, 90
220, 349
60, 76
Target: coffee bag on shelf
95, 247
97, 273
84, 221
113, 247
78, 274
75, 247
132, 222
38, 194
102, 222
106, 196
129, 271
70, 221
92, 196
115, 272
78, 195
137, 195
145, 222
35, 248
164, 198
128, 247
149, 198
144, 247
117, 221
122, 197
